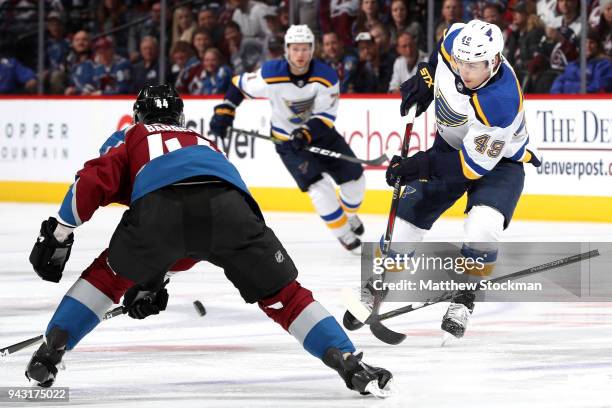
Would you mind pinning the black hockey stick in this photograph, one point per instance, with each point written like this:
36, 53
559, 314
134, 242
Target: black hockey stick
389, 336
35, 340
377, 328
316, 150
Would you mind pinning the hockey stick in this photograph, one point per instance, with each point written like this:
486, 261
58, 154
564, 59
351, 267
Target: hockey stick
6, 351
389, 336
375, 325
317, 150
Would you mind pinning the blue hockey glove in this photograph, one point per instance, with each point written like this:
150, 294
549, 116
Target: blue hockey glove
418, 90
222, 119
410, 168
300, 138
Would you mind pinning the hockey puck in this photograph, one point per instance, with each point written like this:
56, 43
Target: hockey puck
199, 307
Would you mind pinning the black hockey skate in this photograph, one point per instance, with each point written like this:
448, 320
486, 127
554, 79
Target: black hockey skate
351, 242
356, 225
359, 376
458, 314
42, 367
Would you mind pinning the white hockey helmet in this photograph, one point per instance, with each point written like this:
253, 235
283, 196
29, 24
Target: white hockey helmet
299, 34
479, 41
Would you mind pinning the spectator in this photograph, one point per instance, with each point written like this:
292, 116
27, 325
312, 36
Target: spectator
245, 53
566, 14
492, 13
276, 49
148, 27
382, 38
307, 14
604, 27
275, 32
183, 25
405, 66
183, 56
343, 63
522, 39
80, 66
110, 15
249, 15
57, 48
452, 12
338, 16
15, 77
400, 22
598, 75
146, 71
202, 40
371, 76
368, 16
207, 20
112, 72
209, 77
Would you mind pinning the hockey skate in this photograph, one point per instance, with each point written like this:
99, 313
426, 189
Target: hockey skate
356, 225
42, 368
351, 242
359, 376
458, 314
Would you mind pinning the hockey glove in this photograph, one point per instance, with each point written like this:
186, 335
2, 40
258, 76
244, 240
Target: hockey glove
300, 138
409, 168
50, 254
418, 90
143, 300
222, 119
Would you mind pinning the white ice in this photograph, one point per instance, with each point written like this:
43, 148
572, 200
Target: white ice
514, 355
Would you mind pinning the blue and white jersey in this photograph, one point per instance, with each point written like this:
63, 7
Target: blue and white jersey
485, 125
315, 96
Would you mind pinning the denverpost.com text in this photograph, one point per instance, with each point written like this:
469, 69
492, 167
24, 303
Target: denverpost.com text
578, 168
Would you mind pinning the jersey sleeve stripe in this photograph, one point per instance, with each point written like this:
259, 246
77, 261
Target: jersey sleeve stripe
327, 115
467, 171
276, 80
320, 80
518, 156
237, 81
520, 94
444, 53
479, 111
279, 133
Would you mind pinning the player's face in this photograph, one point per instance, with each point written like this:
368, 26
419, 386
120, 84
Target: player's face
299, 55
473, 74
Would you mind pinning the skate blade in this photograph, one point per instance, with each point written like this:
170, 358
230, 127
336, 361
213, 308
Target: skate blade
388, 391
445, 338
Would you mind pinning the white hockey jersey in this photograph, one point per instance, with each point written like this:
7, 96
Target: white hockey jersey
484, 125
293, 104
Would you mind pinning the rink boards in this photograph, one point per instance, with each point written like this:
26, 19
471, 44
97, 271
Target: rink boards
44, 141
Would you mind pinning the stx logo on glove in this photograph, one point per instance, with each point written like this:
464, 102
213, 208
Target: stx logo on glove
426, 77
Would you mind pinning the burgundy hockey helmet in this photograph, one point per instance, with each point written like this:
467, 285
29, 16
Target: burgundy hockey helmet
159, 104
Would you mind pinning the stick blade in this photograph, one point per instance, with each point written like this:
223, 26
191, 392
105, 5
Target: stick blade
354, 305
386, 335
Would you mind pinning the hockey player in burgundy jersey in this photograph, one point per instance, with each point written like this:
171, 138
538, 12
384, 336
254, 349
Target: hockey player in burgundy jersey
187, 203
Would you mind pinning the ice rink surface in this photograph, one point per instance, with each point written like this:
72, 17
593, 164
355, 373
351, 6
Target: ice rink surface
513, 355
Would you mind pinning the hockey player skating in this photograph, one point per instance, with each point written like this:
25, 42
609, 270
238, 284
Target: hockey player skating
479, 149
304, 96
186, 201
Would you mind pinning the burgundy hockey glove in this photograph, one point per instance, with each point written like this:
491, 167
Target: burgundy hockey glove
49, 256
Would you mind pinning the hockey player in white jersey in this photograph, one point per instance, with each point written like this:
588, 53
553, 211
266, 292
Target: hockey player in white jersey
480, 147
304, 96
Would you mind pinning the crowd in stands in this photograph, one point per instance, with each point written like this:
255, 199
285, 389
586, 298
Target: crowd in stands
107, 47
